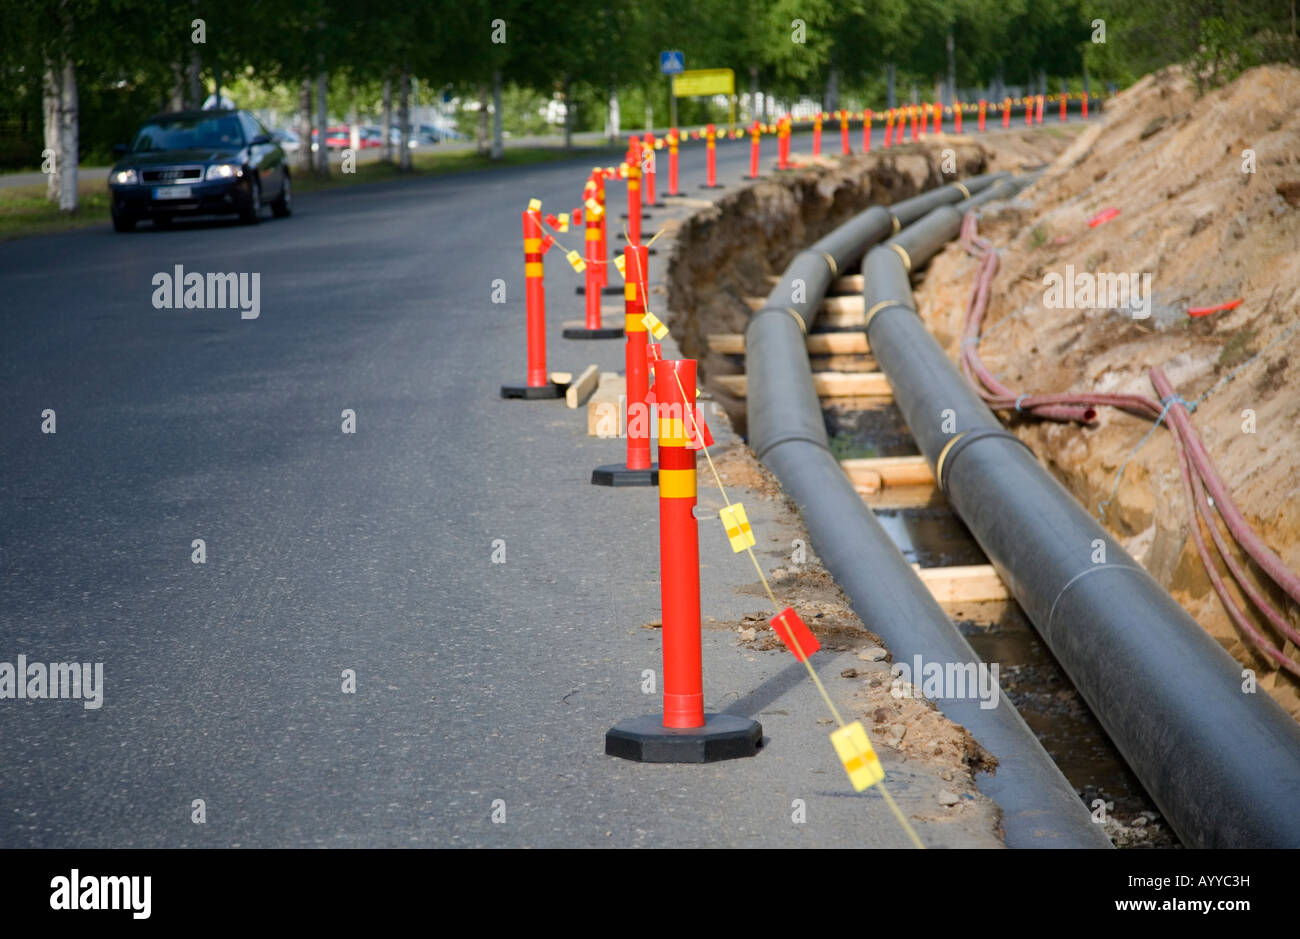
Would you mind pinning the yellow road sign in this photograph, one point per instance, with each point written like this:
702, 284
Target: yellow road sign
704, 81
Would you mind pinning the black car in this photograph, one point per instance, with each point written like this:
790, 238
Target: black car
217, 162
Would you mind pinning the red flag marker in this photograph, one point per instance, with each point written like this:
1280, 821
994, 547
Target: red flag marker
1207, 310
1105, 215
787, 625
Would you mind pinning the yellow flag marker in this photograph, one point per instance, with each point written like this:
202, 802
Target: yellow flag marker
736, 524
564, 221
575, 259
620, 262
859, 759
534, 205
594, 208
656, 327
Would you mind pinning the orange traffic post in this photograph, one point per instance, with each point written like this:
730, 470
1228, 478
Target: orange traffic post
1029, 109
711, 159
684, 733
673, 139
912, 109
902, 124
984, 106
650, 163
1039, 115
1064, 99
889, 126
538, 384
634, 200
938, 117
783, 143
845, 147
1085, 105
817, 134
866, 131
755, 131
956, 116
637, 470
592, 328
1006, 112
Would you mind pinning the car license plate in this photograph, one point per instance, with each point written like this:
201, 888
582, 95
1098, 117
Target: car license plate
172, 192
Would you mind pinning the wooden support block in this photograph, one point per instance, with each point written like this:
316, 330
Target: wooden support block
844, 311
582, 387
604, 409
972, 584
827, 384
818, 343
849, 283
754, 303
889, 471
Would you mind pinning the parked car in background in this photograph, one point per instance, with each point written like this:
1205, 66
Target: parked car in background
289, 141
216, 162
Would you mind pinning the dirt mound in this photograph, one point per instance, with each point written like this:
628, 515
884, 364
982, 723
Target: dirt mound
1207, 191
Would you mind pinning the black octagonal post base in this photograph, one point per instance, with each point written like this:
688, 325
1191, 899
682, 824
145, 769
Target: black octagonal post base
647, 740
531, 393
607, 291
617, 474
582, 332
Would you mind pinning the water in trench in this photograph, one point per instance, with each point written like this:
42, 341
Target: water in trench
929, 534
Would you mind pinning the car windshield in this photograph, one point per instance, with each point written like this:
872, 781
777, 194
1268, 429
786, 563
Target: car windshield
189, 133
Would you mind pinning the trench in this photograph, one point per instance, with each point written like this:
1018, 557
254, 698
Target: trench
733, 252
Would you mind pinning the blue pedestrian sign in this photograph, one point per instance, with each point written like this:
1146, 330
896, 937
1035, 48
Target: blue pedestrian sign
672, 63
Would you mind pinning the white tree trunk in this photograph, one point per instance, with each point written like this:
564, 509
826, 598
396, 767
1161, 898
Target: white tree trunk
404, 120
388, 120
611, 116
568, 112
193, 77
322, 119
498, 141
51, 95
305, 156
69, 128
482, 120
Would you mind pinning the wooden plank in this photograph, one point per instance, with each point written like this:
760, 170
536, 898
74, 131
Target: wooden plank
582, 387
827, 384
604, 409
889, 471
975, 583
844, 311
754, 303
849, 283
818, 343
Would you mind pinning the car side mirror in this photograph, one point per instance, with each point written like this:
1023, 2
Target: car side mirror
259, 140
120, 149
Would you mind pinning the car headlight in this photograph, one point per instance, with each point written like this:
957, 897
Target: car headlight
224, 171
124, 178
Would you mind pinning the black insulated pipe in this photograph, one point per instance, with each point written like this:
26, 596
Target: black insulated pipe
1223, 765
788, 432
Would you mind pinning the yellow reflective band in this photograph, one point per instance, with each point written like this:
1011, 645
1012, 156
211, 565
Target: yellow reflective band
877, 308
593, 233
634, 182
736, 525
902, 253
830, 262
672, 433
655, 326
859, 759
532, 245
576, 261
676, 484
962, 189
629, 290
533, 269
534, 205
632, 323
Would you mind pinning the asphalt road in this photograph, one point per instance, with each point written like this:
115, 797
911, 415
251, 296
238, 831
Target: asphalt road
328, 552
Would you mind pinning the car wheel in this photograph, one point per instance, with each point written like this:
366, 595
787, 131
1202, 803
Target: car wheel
283, 206
123, 222
252, 212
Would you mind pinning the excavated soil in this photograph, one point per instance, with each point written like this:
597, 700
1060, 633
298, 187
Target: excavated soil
1208, 232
